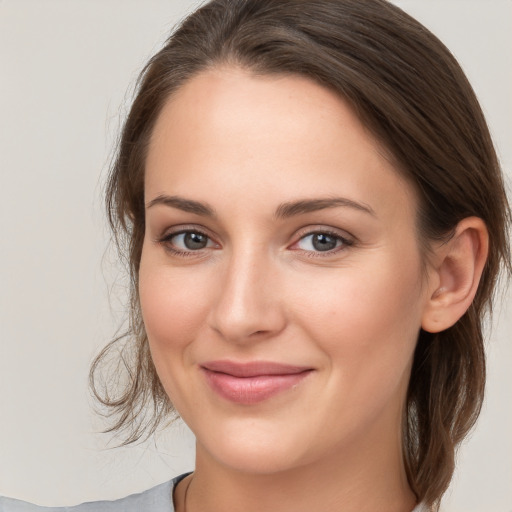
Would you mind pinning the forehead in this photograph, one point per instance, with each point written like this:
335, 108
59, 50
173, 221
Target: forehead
237, 133
226, 105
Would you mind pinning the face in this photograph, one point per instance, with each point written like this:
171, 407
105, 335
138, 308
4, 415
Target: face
280, 279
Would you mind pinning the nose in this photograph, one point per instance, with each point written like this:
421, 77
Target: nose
248, 305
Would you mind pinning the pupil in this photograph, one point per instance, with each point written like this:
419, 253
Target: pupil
195, 241
323, 242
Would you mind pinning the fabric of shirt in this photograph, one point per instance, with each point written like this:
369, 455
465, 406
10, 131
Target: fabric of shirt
156, 499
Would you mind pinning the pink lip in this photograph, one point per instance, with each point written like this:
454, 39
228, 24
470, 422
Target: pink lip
250, 383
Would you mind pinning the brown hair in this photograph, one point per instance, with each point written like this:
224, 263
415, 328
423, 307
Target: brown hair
410, 92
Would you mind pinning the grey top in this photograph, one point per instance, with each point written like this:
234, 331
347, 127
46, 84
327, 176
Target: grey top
156, 499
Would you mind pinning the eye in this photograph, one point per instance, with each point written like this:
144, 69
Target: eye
321, 241
187, 241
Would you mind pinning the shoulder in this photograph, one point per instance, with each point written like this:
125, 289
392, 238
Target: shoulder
156, 499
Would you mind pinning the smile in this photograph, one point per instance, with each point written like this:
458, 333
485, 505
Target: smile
250, 383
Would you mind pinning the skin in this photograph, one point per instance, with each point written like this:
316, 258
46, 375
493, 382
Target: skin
244, 146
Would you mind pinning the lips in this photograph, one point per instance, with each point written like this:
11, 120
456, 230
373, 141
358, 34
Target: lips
253, 382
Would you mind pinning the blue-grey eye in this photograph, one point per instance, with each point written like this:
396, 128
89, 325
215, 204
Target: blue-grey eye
195, 241
320, 242
190, 241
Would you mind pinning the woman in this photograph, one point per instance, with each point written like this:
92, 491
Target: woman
305, 188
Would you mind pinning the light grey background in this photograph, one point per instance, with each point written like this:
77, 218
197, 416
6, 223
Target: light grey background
67, 73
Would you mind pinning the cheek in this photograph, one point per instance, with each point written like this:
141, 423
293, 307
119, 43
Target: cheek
366, 321
173, 309
167, 310
362, 300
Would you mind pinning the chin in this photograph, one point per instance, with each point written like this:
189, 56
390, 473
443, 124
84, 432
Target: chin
252, 450
255, 461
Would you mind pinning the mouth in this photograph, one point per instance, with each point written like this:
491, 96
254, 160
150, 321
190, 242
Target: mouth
253, 382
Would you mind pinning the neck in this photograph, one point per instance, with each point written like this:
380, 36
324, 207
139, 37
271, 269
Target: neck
356, 478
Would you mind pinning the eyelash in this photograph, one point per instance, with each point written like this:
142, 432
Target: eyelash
166, 242
345, 242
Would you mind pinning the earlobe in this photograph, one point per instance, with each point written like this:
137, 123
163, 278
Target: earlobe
459, 266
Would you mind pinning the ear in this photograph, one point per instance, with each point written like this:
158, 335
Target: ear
457, 268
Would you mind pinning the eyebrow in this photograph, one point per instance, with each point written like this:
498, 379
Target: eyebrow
283, 211
187, 205
300, 207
